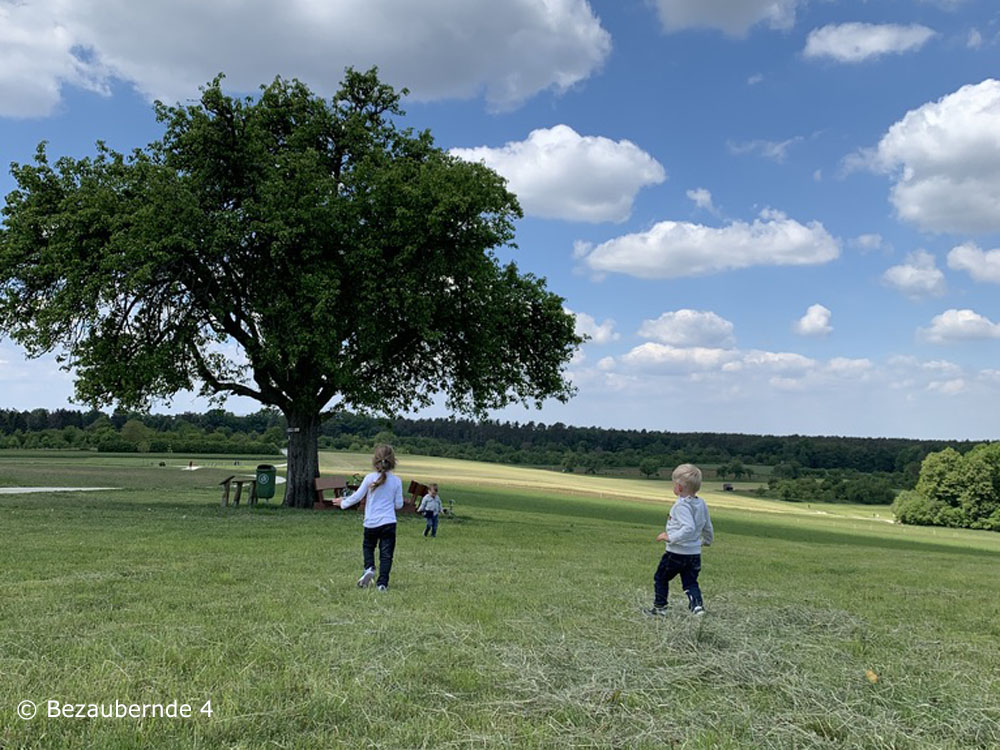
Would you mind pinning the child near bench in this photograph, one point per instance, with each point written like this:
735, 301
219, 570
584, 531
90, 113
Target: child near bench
431, 507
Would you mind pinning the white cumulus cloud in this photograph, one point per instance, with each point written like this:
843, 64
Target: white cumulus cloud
558, 174
776, 150
778, 361
947, 387
981, 265
672, 249
917, 277
816, 322
702, 199
689, 328
854, 42
654, 358
906, 372
960, 325
937, 367
733, 17
941, 366
599, 333
507, 52
787, 384
868, 242
38, 55
657, 366
606, 364
945, 159
847, 367
666, 359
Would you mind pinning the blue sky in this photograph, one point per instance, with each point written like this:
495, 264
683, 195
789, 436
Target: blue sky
776, 216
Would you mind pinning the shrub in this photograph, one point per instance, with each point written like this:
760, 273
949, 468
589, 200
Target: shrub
913, 508
116, 445
955, 490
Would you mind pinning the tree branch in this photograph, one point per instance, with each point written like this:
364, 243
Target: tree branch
238, 389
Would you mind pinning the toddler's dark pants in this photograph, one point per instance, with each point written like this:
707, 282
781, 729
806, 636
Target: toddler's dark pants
672, 564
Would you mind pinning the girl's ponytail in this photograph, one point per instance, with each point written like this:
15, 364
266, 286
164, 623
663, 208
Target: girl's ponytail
383, 462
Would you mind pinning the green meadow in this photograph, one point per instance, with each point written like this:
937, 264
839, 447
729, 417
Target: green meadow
519, 626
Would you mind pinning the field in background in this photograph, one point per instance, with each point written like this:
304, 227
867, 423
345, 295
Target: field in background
447, 471
518, 627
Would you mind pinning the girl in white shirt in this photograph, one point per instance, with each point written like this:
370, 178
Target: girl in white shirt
384, 493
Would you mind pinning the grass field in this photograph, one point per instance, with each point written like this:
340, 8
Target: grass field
519, 626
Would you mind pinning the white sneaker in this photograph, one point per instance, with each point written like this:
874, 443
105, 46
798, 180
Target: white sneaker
383, 587
366, 578
699, 610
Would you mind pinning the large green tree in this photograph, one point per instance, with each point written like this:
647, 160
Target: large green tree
955, 490
307, 253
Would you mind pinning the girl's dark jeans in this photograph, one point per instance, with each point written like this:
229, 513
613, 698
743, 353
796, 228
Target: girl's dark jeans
385, 537
432, 523
688, 567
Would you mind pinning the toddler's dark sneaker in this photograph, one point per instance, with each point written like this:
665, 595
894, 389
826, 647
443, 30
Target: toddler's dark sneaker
697, 610
655, 611
366, 578
382, 587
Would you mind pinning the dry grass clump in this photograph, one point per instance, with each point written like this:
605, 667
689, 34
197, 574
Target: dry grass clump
781, 677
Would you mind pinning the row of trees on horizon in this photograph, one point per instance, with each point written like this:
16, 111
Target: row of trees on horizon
535, 443
948, 483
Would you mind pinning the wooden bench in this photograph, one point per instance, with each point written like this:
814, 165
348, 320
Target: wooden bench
232, 480
417, 492
340, 489
337, 485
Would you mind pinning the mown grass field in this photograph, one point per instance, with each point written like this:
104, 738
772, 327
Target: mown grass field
519, 626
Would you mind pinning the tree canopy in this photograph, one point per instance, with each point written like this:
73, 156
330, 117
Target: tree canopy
298, 251
955, 490
649, 467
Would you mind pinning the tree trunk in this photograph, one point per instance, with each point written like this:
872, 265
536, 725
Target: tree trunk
303, 459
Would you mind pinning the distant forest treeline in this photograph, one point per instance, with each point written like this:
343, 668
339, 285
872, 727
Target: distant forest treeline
588, 448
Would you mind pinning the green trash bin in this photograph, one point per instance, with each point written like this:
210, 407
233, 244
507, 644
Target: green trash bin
266, 474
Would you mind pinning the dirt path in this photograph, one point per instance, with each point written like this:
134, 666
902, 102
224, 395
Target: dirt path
27, 490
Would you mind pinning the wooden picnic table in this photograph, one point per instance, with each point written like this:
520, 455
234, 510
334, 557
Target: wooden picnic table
229, 481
